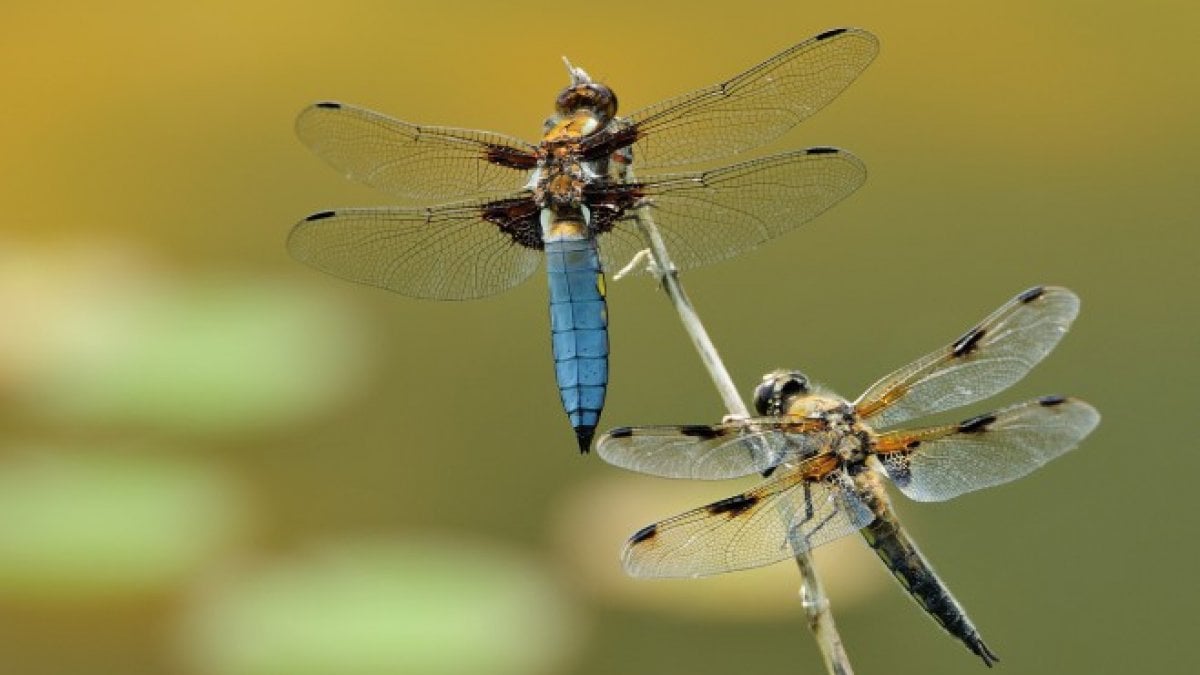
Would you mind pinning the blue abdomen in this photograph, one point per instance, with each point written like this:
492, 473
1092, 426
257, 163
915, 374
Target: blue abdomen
579, 331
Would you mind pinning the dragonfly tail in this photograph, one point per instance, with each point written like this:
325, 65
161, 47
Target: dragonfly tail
584, 434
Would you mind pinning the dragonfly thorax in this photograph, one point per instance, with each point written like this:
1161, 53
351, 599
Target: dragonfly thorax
560, 187
789, 393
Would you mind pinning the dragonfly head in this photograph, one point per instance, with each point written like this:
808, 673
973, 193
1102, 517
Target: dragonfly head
774, 395
590, 97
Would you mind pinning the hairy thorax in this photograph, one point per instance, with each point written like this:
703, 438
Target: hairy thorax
847, 437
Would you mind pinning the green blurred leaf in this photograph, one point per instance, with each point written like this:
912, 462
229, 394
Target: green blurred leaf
367, 608
78, 526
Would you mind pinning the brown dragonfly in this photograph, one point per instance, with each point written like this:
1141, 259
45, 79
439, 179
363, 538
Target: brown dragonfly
823, 457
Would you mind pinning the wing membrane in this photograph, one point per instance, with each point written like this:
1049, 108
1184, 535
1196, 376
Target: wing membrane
987, 359
781, 517
414, 162
709, 216
939, 463
753, 107
445, 253
700, 452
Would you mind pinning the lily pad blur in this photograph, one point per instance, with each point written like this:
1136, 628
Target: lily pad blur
428, 607
109, 340
83, 526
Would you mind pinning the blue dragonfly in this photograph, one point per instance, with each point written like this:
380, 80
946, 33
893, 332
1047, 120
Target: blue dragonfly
560, 199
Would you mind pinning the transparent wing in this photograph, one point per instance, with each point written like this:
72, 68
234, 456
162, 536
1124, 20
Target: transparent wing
452, 252
939, 463
987, 359
713, 215
702, 452
795, 511
422, 163
753, 107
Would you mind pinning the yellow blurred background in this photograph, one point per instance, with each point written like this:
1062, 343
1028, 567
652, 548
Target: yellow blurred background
216, 461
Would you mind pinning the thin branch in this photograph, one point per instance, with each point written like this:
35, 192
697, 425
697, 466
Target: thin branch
812, 595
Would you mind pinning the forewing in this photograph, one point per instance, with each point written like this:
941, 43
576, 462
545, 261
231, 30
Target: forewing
709, 216
452, 252
939, 463
427, 164
753, 107
702, 452
791, 513
985, 360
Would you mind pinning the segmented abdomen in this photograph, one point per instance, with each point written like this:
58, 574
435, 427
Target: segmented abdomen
913, 571
579, 331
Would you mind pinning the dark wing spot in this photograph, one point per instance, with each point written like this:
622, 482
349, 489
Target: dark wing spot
512, 158
1051, 401
733, 505
330, 105
977, 424
610, 202
602, 144
517, 218
913, 445
644, 534
621, 432
321, 215
1032, 294
830, 33
967, 343
822, 150
700, 431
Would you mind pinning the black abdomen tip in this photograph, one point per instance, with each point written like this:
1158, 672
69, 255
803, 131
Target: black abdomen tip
989, 657
584, 434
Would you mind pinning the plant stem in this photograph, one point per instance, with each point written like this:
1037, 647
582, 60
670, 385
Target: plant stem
812, 595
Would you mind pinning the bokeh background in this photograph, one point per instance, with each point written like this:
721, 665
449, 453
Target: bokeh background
215, 461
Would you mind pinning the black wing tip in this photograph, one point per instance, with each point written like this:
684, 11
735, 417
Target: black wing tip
320, 215
584, 434
643, 534
832, 32
1032, 294
328, 105
822, 150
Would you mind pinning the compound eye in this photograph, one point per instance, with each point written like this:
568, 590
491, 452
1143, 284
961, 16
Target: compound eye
606, 102
777, 389
763, 394
792, 385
